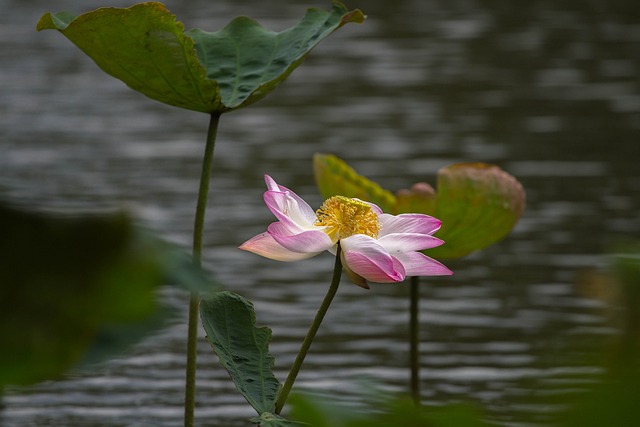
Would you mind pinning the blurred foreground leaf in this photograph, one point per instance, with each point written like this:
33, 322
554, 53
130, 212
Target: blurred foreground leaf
76, 289
627, 267
243, 349
618, 289
148, 49
614, 402
478, 204
395, 412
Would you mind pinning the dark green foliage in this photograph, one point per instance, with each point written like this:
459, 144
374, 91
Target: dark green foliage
78, 289
392, 412
243, 349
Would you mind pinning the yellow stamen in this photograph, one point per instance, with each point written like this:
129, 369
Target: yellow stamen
345, 217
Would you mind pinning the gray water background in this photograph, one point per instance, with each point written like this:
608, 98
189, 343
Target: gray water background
547, 90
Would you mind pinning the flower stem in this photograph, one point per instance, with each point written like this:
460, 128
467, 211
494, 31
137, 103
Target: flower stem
414, 339
194, 300
306, 344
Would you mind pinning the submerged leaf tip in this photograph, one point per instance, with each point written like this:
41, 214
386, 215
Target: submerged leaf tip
348, 16
355, 16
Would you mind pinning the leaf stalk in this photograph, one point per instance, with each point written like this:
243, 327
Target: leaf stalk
194, 299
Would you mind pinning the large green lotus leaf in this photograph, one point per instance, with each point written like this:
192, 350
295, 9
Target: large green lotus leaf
147, 48
78, 289
335, 177
478, 203
249, 61
243, 348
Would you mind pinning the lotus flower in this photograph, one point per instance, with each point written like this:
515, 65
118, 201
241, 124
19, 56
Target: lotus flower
375, 246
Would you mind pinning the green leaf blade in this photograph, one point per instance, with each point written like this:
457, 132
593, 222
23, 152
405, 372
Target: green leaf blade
145, 47
243, 348
212, 72
249, 61
58, 21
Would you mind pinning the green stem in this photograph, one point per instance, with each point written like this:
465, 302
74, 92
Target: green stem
414, 339
306, 344
194, 300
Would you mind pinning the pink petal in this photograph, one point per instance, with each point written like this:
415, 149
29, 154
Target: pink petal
264, 245
288, 208
365, 257
408, 223
289, 227
418, 264
290, 203
408, 242
356, 279
309, 241
272, 185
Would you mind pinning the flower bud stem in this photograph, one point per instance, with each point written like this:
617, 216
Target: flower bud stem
306, 344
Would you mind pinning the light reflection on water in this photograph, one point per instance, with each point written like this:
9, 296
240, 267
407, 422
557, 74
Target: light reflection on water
546, 90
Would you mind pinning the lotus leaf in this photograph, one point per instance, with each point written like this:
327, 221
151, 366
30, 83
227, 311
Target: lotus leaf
478, 203
212, 72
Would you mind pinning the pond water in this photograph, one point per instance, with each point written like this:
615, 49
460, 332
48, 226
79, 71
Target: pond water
547, 90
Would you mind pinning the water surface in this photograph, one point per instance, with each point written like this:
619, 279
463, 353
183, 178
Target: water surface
549, 91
